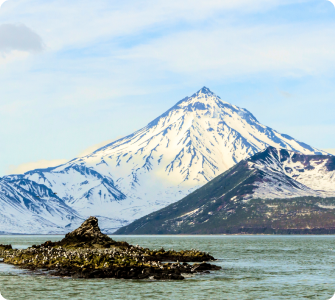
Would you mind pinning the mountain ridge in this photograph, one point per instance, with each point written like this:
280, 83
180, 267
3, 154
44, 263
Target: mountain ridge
232, 202
45, 213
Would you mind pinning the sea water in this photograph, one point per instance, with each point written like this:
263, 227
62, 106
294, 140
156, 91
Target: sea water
253, 267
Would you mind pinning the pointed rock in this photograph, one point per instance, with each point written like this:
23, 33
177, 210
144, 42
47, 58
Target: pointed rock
89, 231
88, 235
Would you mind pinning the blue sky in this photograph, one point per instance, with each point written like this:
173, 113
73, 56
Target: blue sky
75, 74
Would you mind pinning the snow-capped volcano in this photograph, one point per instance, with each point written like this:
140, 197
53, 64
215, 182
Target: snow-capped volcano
184, 148
189, 145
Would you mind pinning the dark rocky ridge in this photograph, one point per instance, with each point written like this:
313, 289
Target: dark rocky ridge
88, 253
225, 204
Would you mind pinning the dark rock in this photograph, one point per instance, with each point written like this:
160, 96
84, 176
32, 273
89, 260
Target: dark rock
88, 235
5, 247
46, 244
176, 277
143, 276
204, 267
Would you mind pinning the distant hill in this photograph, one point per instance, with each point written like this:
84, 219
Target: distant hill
274, 191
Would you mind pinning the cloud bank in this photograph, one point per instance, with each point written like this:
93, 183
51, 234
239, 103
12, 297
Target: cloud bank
20, 38
41, 164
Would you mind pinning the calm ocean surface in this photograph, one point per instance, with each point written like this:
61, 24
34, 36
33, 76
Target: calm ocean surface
253, 267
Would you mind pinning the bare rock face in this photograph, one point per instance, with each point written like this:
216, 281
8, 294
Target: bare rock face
89, 231
88, 235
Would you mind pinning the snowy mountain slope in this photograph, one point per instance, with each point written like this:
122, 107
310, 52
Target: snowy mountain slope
184, 148
316, 172
75, 184
260, 193
288, 174
82, 189
28, 207
192, 143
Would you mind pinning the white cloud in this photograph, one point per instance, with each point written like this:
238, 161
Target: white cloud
90, 149
83, 22
90, 22
226, 52
18, 37
41, 164
13, 56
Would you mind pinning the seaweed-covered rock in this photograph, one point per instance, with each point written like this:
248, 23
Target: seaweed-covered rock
5, 247
88, 253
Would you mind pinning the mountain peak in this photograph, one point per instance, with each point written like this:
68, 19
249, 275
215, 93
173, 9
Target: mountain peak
203, 91
198, 101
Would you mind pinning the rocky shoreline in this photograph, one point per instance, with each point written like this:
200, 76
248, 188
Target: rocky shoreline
88, 253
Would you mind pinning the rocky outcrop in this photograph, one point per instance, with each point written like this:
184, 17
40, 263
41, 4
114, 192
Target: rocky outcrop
88, 253
5, 247
88, 235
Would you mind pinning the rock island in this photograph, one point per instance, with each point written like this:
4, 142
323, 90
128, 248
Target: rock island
88, 253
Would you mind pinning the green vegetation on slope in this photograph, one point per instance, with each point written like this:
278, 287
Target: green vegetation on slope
223, 206
214, 196
304, 215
